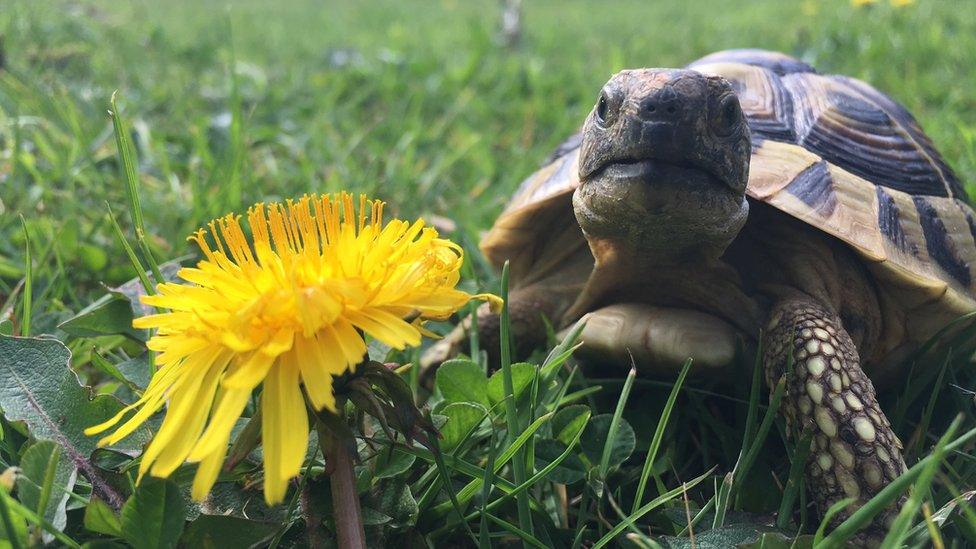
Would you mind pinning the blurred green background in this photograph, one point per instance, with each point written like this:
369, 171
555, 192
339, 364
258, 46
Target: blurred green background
419, 103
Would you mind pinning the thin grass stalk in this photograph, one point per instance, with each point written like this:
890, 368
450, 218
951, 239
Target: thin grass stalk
129, 162
615, 423
8, 523
511, 408
25, 319
662, 424
899, 530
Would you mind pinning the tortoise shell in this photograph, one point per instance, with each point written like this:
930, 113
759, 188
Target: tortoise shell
829, 150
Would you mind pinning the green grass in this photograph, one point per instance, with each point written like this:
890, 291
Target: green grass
417, 103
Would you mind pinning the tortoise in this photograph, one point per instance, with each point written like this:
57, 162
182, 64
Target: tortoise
748, 194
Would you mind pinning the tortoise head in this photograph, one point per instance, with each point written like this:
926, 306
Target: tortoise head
663, 166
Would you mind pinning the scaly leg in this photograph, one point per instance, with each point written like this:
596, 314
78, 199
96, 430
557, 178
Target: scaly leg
854, 453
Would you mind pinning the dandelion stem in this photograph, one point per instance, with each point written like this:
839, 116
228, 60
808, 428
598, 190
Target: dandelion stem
345, 498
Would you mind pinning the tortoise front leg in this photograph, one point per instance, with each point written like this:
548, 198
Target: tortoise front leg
657, 339
854, 453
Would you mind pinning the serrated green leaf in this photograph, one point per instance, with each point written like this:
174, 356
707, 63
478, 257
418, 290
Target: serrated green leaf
44, 469
522, 375
153, 518
462, 381
218, 531
100, 518
38, 387
595, 437
461, 418
109, 315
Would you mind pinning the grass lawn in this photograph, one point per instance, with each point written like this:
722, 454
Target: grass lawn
418, 103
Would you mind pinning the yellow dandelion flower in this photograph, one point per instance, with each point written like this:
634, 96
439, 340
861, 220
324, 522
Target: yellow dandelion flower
859, 3
289, 311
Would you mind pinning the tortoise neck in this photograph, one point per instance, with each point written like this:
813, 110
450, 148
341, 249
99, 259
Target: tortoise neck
707, 284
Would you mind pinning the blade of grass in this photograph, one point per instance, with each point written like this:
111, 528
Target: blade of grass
484, 539
8, 523
527, 538
722, 500
539, 475
131, 254
899, 530
838, 506
698, 517
925, 421
742, 469
446, 484
49, 472
933, 530
512, 419
25, 319
792, 489
662, 424
129, 168
615, 423
466, 493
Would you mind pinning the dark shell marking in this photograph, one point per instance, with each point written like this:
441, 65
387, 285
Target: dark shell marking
815, 188
889, 221
941, 248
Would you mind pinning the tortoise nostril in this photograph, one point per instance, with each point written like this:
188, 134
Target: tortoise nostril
671, 109
651, 108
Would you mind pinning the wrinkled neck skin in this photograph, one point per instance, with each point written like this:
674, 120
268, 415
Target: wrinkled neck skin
692, 278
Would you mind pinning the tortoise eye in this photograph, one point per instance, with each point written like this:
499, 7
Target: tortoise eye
728, 116
602, 106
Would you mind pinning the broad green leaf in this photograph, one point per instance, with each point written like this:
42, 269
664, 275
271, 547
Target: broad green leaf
522, 375
136, 371
567, 422
595, 436
219, 531
393, 499
570, 470
38, 387
154, 516
463, 381
109, 315
391, 462
461, 418
46, 476
100, 518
